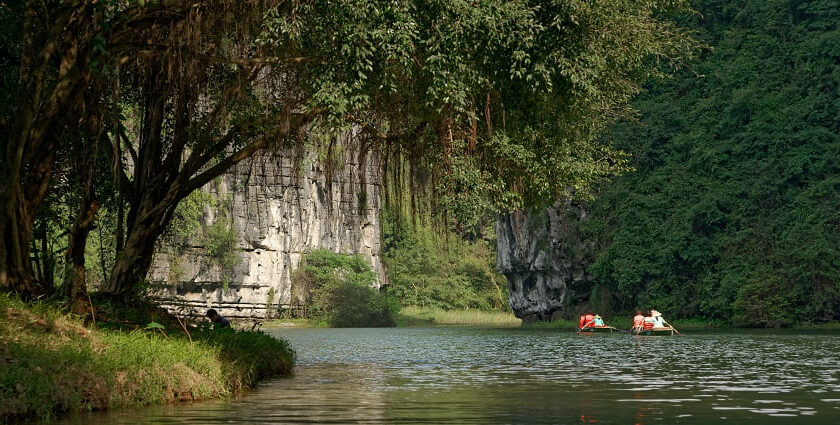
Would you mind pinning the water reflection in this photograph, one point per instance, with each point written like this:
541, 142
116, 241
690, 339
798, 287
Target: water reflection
515, 376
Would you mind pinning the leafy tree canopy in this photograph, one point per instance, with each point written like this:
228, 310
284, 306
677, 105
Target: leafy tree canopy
500, 102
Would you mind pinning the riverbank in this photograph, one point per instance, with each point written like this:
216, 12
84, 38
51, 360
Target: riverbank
50, 363
420, 316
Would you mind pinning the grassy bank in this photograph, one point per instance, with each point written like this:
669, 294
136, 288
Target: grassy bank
419, 316
50, 363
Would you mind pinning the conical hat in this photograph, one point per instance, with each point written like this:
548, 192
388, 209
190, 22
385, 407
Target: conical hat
654, 313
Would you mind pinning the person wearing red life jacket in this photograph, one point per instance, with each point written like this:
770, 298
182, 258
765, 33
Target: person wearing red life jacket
588, 320
582, 321
638, 321
648, 322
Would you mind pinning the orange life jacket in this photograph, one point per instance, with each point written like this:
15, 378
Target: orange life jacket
638, 321
582, 321
590, 319
648, 325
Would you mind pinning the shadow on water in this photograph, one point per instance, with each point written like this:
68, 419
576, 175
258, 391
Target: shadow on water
524, 376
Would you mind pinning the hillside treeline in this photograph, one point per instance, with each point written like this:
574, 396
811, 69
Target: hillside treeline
733, 210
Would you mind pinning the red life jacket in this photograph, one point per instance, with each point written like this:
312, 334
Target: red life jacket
648, 325
589, 320
638, 321
582, 321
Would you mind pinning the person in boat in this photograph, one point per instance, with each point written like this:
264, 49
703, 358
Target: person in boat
658, 320
647, 323
598, 321
638, 321
587, 320
217, 319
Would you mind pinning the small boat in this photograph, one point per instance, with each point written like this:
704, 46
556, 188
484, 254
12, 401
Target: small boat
597, 329
655, 332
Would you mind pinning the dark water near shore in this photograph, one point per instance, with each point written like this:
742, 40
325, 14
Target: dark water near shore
521, 376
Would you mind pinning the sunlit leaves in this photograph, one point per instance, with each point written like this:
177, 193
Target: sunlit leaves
512, 94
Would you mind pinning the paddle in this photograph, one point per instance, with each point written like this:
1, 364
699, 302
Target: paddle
672, 327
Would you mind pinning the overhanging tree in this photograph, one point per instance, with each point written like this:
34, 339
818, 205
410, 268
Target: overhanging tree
505, 98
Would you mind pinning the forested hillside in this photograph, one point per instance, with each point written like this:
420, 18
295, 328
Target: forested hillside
733, 210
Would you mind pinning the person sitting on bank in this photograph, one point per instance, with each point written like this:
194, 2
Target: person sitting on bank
658, 320
638, 321
218, 321
598, 321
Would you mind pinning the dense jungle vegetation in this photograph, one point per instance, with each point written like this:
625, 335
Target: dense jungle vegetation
733, 210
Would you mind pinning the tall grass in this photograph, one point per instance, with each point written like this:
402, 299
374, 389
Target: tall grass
50, 363
418, 316
554, 324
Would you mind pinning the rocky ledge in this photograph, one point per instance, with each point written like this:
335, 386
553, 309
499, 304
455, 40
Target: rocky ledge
543, 258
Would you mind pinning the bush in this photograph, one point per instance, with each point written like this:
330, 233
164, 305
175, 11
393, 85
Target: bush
439, 270
347, 304
339, 289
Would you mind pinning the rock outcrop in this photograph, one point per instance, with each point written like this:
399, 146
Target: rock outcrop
281, 206
544, 260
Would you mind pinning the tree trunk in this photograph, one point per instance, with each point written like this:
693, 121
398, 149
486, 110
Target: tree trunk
75, 283
133, 262
26, 167
15, 233
17, 219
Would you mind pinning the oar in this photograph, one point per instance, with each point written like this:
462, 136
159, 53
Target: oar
672, 327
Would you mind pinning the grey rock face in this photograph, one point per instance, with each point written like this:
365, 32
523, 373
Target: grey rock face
281, 209
543, 258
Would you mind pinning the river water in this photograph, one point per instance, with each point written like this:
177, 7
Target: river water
522, 376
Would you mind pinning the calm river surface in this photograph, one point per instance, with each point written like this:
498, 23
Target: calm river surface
521, 376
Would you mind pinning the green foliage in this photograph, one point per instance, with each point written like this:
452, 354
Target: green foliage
188, 219
430, 269
188, 228
734, 211
342, 291
221, 245
154, 326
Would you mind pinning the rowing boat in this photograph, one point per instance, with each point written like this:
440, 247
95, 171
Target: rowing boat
598, 329
655, 332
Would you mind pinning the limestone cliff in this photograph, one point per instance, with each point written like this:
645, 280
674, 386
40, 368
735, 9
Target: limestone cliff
544, 260
280, 206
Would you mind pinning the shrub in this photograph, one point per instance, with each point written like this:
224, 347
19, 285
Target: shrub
440, 270
339, 289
